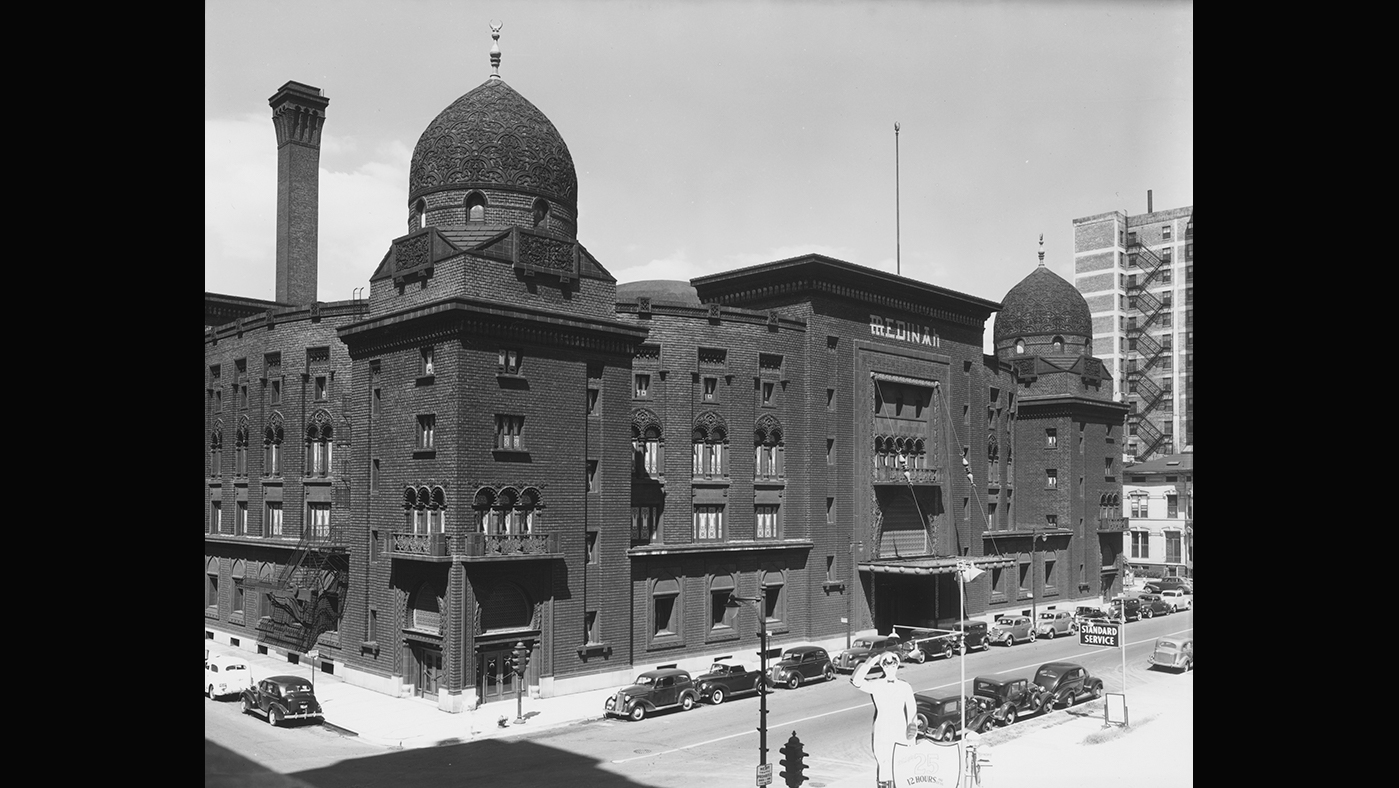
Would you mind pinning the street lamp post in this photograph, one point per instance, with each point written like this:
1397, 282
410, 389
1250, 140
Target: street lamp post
850, 593
966, 573
734, 599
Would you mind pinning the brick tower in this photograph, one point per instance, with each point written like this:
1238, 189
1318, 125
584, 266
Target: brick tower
298, 112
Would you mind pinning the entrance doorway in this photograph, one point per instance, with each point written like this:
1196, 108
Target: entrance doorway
494, 678
428, 671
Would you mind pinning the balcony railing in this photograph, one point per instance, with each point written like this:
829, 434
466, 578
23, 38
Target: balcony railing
1112, 524
896, 475
431, 545
491, 545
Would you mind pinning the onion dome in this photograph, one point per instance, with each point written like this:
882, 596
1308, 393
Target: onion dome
493, 138
1044, 305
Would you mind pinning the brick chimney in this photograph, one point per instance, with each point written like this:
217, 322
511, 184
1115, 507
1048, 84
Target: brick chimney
298, 112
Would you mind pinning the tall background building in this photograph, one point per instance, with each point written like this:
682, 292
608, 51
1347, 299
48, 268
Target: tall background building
1137, 274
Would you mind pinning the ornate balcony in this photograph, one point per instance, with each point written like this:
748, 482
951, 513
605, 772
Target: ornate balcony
492, 546
896, 476
419, 545
1112, 524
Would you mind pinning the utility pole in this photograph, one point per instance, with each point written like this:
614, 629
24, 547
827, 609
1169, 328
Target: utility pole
898, 268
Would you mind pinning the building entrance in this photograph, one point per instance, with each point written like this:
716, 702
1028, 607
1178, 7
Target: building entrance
494, 678
427, 672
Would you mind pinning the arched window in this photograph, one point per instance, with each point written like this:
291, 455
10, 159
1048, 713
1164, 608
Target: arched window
240, 458
774, 587
484, 507
541, 211
420, 214
216, 450
710, 441
272, 447
211, 584
1058, 344
506, 607
426, 613
475, 207
768, 449
647, 444
425, 510
320, 435
1020, 347
239, 569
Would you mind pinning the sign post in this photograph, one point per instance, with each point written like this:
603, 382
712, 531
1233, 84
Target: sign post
764, 774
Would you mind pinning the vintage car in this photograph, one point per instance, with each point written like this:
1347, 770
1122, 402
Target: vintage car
281, 698
653, 690
1154, 605
1124, 609
1173, 652
800, 663
1013, 629
725, 678
1084, 613
939, 716
924, 643
226, 675
1053, 623
1178, 599
972, 634
862, 648
1002, 702
1066, 683
1163, 583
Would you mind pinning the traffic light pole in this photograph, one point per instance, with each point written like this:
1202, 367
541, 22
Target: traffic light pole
757, 602
520, 653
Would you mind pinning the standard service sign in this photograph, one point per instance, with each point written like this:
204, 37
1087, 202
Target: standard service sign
1098, 633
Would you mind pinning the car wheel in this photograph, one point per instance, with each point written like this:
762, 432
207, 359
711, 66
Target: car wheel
274, 717
920, 659
717, 697
210, 692
794, 681
923, 723
947, 653
1032, 637
247, 707
1049, 635
1011, 715
961, 649
1096, 690
946, 733
638, 713
987, 724
829, 672
1147, 614
985, 645
687, 702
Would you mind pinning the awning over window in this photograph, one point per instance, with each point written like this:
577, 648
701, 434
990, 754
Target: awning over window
933, 565
912, 381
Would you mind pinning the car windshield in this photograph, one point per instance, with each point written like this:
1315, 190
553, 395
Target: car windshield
1046, 676
235, 666
645, 680
1046, 616
862, 643
718, 667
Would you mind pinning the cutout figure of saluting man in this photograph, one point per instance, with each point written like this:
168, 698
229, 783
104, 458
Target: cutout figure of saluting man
895, 711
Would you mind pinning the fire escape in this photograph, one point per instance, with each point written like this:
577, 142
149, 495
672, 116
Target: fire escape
1149, 351
308, 599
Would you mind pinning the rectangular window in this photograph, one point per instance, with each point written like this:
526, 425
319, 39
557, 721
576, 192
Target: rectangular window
509, 361
768, 390
240, 515
243, 396
1051, 479
592, 401
766, 518
1166, 232
1172, 547
215, 517
665, 620
1139, 506
1024, 580
1140, 544
709, 523
426, 366
592, 632
1166, 254
1051, 520
711, 387
645, 523
509, 432
272, 515
1051, 438
592, 476
830, 451
376, 402
830, 510
1172, 511
721, 616
319, 520
427, 432
372, 626
592, 546
322, 388
830, 569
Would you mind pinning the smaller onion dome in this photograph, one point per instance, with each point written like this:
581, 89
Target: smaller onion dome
1042, 306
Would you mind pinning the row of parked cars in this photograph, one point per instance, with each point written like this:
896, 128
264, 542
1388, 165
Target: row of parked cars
277, 698
996, 701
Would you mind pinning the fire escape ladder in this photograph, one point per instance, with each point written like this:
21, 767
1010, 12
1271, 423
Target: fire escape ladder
306, 602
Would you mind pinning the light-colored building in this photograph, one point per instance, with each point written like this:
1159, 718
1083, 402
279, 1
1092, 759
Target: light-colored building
1158, 500
1137, 274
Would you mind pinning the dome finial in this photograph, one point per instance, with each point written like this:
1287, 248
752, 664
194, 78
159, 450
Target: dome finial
495, 48
1041, 248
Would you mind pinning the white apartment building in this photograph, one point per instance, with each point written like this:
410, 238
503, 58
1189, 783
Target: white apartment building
1158, 500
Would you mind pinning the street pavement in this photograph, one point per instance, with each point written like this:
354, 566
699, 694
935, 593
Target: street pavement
1069, 748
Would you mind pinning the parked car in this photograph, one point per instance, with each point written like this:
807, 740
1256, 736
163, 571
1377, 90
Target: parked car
862, 648
1154, 605
924, 643
1178, 599
1002, 702
725, 678
282, 698
1013, 629
801, 663
1066, 683
1124, 609
653, 690
1173, 652
1084, 613
1053, 623
972, 634
939, 716
1163, 583
226, 675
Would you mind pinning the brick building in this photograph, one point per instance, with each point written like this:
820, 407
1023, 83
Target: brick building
502, 444
1138, 275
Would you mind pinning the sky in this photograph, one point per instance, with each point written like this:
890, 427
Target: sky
709, 136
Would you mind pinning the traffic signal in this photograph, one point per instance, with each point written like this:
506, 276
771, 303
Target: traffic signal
519, 658
793, 764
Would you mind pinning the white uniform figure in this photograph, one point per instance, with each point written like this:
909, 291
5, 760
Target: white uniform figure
895, 712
